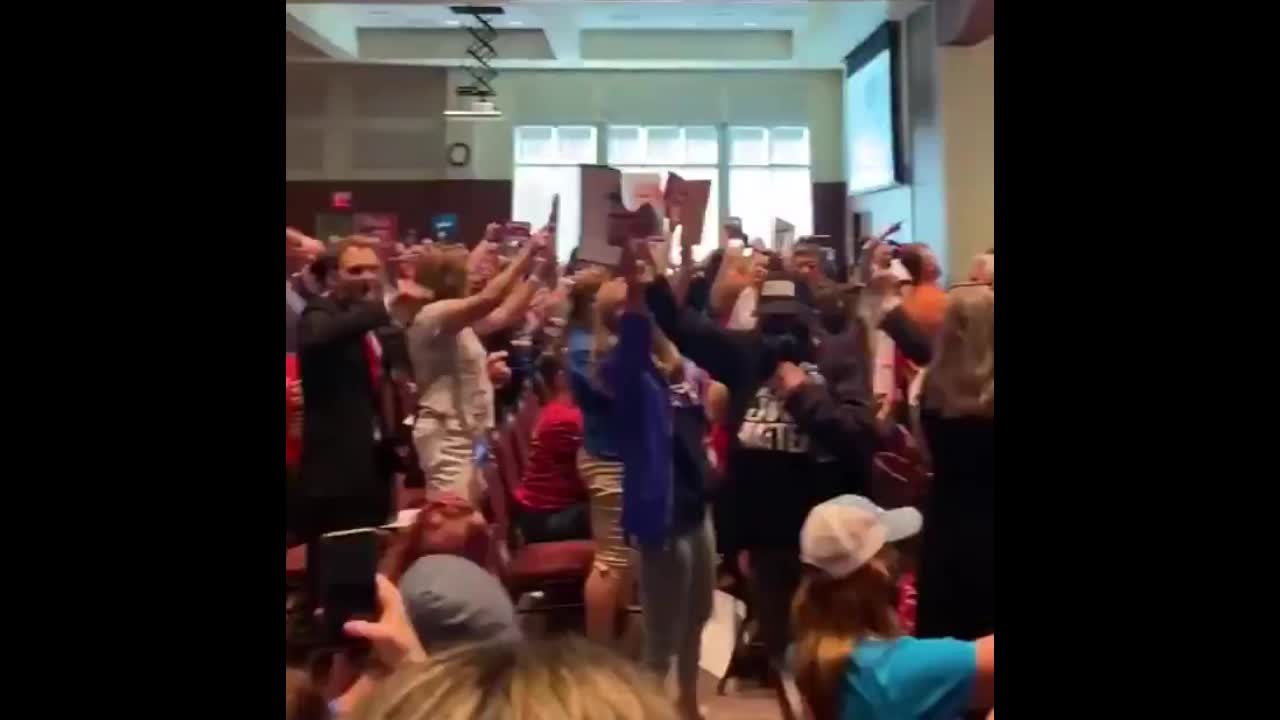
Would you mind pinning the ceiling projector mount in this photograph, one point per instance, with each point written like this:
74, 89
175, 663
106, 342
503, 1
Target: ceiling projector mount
479, 94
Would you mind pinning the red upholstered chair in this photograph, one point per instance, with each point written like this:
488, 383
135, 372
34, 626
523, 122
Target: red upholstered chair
527, 416
533, 566
407, 497
295, 562
520, 443
900, 474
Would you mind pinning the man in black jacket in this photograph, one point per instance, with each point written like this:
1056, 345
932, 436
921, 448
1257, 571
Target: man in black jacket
345, 469
802, 430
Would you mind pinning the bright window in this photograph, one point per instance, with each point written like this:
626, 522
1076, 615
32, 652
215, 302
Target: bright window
547, 159
767, 168
769, 178
691, 152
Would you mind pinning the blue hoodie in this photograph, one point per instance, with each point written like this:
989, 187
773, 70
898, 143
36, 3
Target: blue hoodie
660, 427
599, 436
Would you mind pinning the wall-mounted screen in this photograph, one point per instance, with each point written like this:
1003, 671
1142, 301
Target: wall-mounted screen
873, 151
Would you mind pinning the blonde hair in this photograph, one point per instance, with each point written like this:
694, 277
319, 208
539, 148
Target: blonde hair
608, 300
564, 677
829, 616
442, 271
961, 380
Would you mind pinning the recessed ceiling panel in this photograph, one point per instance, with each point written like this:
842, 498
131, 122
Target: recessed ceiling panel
414, 44
685, 45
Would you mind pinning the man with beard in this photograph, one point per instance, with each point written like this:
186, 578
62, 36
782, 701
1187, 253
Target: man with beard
345, 479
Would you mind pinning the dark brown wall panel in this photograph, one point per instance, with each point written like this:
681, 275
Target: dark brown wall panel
965, 22
829, 215
476, 202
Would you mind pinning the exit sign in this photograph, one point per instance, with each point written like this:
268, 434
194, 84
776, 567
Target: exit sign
340, 200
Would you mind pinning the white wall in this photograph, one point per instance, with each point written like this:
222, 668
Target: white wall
527, 97
966, 83
949, 202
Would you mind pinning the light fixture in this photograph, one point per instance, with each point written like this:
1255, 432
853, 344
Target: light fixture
479, 110
453, 23
750, 24
516, 23
478, 94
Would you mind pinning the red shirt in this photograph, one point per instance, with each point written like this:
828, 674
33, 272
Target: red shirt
551, 479
292, 413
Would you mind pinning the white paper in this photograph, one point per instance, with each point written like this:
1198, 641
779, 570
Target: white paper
638, 188
598, 183
405, 518
784, 234
718, 635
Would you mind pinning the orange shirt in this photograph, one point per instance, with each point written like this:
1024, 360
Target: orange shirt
926, 305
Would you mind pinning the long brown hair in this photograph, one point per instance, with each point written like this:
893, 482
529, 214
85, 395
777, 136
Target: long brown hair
829, 616
443, 272
961, 379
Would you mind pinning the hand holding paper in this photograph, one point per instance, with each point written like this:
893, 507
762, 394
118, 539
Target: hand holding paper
686, 205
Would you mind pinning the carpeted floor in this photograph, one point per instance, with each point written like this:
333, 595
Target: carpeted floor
746, 702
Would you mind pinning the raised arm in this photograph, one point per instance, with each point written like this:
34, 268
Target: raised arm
729, 282
326, 325
510, 311
685, 275
839, 414
913, 343
456, 314
984, 689
634, 355
723, 353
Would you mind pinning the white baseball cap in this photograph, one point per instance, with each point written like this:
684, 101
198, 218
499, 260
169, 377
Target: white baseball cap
845, 532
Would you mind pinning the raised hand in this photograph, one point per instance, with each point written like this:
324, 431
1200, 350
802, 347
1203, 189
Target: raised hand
410, 297
392, 637
787, 377
499, 371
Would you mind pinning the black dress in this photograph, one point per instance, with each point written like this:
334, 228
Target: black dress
957, 565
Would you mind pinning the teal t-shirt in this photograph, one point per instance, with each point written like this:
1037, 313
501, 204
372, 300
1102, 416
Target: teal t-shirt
909, 679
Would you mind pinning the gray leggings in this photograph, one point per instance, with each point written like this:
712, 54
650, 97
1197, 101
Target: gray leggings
676, 583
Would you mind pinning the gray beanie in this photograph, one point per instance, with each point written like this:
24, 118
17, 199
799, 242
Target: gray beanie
452, 601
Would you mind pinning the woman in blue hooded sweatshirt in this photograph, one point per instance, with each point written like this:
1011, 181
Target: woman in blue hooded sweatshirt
661, 428
606, 591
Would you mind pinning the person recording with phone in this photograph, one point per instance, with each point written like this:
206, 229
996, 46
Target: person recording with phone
801, 426
454, 372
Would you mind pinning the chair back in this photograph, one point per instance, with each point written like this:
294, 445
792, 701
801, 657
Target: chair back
505, 478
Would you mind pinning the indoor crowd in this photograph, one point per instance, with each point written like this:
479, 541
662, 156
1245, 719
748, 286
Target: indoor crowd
815, 440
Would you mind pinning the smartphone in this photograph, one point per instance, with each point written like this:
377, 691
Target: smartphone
515, 234
346, 565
